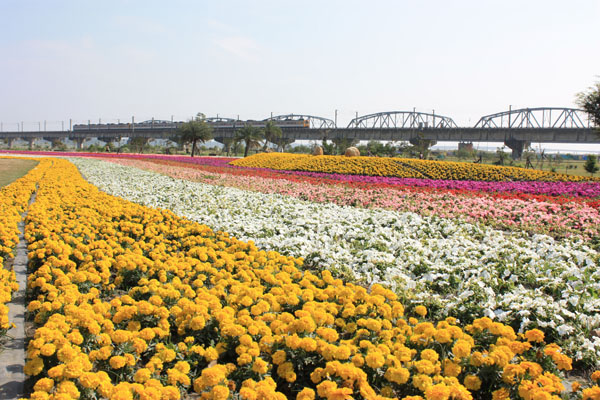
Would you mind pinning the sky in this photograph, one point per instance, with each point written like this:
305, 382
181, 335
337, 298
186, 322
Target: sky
111, 60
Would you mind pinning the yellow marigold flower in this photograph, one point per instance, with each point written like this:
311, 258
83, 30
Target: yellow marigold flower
429, 354
437, 392
325, 387
592, 393
47, 349
451, 368
117, 362
443, 335
219, 392
55, 372
421, 310
472, 382
244, 359
534, 335
279, 357
68, 388
461, 348
306, 394
260, 366
422, 382
358, 360
501, 394
147, 334
75, 337
120, 336
375, 359
596, 375
44, 385
397, 375
343, 352
210, 354
317, 375
142, 375
425, 367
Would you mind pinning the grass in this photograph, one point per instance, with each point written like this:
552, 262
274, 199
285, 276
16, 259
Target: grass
12, 169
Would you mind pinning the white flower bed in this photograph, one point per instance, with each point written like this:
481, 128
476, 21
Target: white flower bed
453, 267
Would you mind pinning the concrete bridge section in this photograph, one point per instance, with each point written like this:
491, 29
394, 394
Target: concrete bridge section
515, 128
515, 138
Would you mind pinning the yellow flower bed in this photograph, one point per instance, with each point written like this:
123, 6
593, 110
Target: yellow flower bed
14, 199
400, 168
137, 303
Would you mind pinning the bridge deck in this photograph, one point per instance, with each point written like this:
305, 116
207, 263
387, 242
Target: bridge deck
543, 135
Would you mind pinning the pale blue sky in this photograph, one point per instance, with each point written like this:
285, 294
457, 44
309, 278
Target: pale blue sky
114, 59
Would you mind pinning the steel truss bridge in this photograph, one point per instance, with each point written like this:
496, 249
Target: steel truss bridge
515, 128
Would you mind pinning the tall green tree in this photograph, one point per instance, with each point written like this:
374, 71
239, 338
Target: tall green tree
590, 102
591, 165
194, 131
250, 135
272, 133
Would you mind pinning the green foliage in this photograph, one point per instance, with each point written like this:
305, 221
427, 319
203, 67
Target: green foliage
250, 135
301, 149
590, 102
502, 156
272, 134
138, 143
328, 148
195, 130
591, 165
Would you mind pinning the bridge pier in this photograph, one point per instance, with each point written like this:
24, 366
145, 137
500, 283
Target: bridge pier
79, 143
517, 147
31, 142
9, 142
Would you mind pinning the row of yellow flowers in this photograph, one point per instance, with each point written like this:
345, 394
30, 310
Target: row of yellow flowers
13, 201
137, 303
400, 168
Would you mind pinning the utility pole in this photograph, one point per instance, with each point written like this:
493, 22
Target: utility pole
336, 111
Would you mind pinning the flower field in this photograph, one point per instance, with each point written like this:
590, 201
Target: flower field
555, 216
401, 168
13, 202
138, 302
456, 269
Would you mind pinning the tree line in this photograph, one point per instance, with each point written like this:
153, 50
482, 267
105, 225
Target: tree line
198, 130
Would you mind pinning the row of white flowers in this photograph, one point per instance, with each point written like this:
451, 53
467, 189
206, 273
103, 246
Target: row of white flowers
453, 267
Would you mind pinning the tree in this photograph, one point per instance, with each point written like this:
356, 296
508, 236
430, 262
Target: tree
250, 135
272, 133
195, 130
502, 156
591, 165
590, 102
138, 142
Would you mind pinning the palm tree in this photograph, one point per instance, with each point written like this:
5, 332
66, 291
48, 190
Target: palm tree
195, 130
250, 135
272, 133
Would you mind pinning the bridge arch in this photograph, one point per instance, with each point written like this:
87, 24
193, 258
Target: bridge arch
538, 117
314, 121
402, 119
